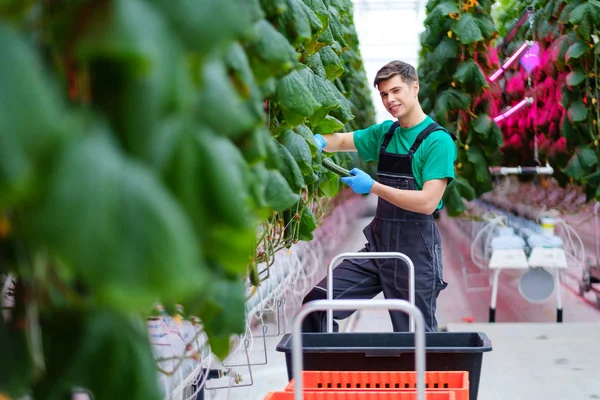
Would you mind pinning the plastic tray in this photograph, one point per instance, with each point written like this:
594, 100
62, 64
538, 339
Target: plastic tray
339, 395
393, 351
456, 382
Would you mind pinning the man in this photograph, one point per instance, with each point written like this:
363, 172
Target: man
415, 164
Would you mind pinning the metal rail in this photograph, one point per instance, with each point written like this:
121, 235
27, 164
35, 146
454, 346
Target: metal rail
321, 305
371, 255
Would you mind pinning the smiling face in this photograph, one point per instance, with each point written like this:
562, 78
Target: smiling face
398, 96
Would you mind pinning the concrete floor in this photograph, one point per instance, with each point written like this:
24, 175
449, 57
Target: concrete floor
533, 357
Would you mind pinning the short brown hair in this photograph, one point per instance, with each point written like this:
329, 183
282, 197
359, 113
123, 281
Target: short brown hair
406, 71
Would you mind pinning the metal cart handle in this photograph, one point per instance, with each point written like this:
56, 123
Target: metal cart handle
371, 255
390, 304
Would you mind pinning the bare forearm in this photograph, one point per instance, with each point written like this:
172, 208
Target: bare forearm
339, 142
411, 200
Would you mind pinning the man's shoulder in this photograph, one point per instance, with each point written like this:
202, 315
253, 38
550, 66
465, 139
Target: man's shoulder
385, 125
439, 140
439, 133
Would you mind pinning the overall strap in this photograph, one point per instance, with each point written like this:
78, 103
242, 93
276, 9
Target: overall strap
388, 135
425, 133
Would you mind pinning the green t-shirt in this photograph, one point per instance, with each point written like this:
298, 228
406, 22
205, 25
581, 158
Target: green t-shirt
434, 159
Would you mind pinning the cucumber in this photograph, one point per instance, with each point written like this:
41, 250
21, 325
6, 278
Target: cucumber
333, 167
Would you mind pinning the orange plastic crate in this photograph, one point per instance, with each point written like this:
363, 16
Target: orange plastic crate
364, 395
454, 381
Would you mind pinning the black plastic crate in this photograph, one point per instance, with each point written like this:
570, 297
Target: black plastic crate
444, 351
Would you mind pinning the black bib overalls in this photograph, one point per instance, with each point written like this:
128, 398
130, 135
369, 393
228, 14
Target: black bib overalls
392, 229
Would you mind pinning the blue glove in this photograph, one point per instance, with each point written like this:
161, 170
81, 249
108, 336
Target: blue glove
320, 142
360, 182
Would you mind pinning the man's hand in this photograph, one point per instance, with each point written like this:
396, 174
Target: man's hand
360, 182
320, 142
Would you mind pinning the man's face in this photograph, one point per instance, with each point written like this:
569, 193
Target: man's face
398, 97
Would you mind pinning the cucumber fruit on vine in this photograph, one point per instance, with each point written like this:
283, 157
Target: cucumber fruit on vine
333, 167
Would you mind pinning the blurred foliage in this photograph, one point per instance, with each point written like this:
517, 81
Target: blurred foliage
146, 150
456, 57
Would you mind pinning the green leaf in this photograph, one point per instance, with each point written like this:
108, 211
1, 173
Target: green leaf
270, 52
230, 233
335, 24
121, 232
298, 148
223, 313
326, 37
343, 112
581, 163
330, 184
559, 50
308, 136
111, 340
331, 62
240, 73
289, 167
223, 162
320, 10
145, 64
482, 125
566, 11
322, 90
316, 25
308, 223
586, 15
453, 201
486, 25
278, 194
273, 7
464, 188
253, 146
449, 101
467, 29
294, 23
576, 50
446, 50
592, 179
219, 99
482, 181
27, 143
295, 98
204, 25
441, 12
126, 32
315, 64
569, 131
176, 158
575, 77
469, 73
496, 138
260, 177
16, 366
329, 125
577, 111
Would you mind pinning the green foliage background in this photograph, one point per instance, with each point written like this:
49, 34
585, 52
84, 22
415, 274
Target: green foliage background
457, 55
139, 162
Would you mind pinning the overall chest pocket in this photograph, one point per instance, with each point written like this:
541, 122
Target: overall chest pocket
396, 181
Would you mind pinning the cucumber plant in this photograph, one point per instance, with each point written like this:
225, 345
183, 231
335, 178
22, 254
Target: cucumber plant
457, 54
152, 151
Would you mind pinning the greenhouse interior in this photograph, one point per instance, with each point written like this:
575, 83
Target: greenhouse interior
299, 199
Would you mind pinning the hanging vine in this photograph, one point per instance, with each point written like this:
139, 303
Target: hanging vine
139, 163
